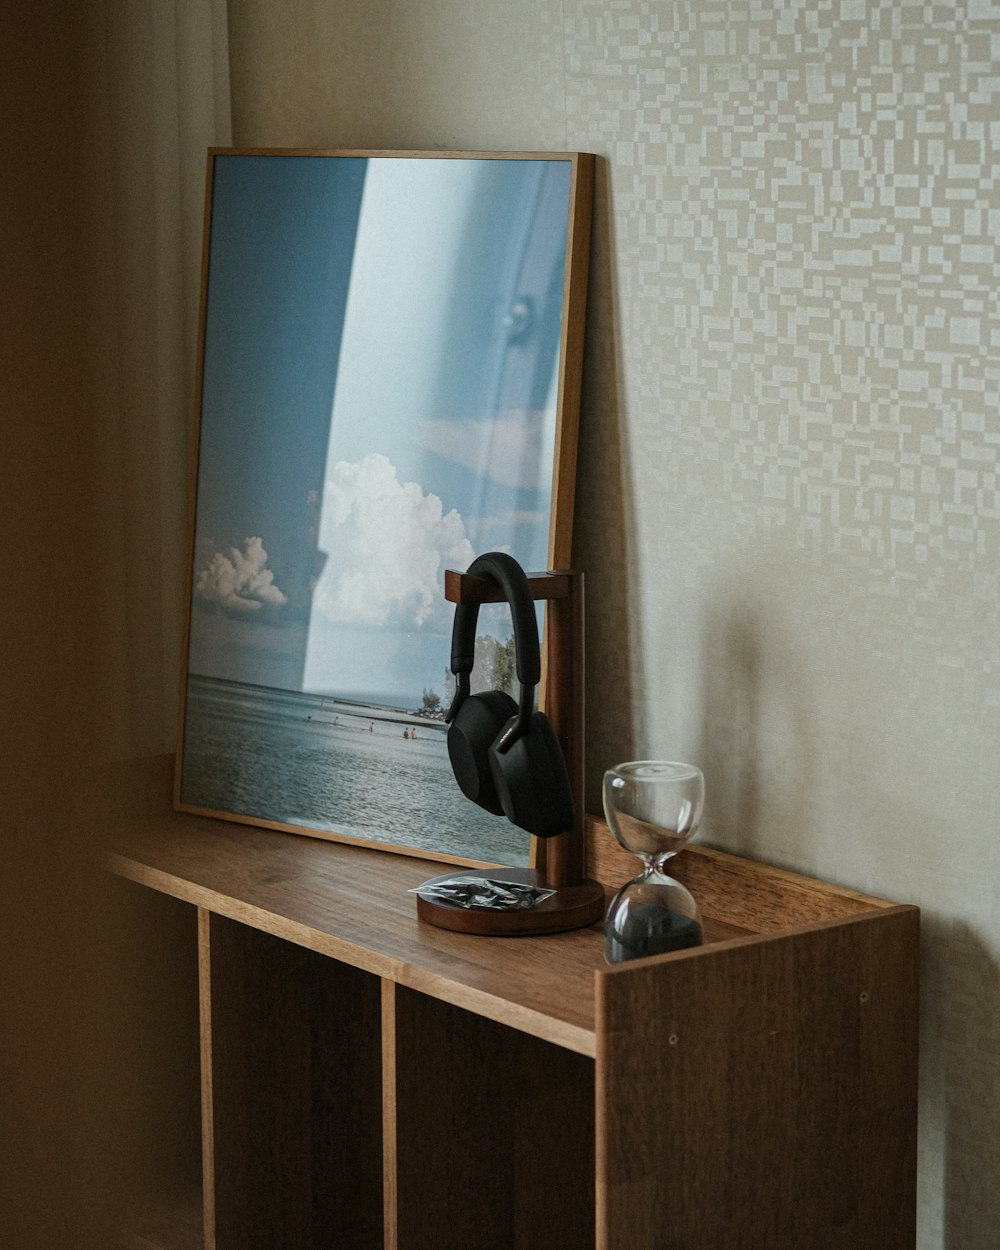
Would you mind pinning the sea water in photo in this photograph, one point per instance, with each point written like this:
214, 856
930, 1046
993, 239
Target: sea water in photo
361, 769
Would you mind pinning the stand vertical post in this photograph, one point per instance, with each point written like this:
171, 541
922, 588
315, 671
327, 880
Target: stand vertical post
558, 861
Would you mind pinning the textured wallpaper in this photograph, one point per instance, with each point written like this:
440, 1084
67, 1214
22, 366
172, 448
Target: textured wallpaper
788, 503
802, 217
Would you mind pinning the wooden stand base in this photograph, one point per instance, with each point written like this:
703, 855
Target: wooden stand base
570, 907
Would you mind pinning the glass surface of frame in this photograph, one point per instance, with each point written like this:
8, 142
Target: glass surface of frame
388, 386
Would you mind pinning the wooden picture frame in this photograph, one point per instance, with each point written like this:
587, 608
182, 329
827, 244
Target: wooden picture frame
388, 385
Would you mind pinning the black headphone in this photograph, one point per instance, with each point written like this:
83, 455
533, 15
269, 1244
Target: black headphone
505, 756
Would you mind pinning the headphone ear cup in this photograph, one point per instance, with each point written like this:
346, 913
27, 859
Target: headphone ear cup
531, 781
470, 735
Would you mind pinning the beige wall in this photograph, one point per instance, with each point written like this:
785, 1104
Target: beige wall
789, 506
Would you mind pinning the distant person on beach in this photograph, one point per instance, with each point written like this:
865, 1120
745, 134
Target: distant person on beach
371, 727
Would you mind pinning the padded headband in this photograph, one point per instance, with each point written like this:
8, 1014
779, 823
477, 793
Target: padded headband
505, 570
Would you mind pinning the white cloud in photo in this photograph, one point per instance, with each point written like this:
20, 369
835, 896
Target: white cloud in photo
388, 545
238, 580
512, 448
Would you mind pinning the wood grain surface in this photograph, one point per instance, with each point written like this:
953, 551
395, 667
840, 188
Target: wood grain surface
428, 1090
353, 904
767, 1088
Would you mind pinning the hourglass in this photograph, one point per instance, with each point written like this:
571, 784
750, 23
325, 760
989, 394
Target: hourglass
653, 807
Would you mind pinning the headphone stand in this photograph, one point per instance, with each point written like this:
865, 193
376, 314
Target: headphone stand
558, 862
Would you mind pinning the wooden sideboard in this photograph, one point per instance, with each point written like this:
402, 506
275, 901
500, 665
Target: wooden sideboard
368, 1080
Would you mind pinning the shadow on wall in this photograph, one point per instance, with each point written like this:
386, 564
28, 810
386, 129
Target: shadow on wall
604, 521
787, 738
757, 750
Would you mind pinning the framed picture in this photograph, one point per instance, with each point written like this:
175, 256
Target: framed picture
388, 386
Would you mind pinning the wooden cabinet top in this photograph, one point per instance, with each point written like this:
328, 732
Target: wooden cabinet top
354, 904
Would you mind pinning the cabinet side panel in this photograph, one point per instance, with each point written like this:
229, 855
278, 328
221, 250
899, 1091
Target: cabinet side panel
494, 1133
390, 1209
762, 1095
296, 1096
205, 1039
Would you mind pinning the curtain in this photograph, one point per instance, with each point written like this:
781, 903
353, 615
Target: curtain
162, 99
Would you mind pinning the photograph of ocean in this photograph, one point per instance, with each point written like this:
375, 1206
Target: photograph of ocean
359, 769
349, 453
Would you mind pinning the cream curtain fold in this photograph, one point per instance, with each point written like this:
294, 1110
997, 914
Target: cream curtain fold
162, 78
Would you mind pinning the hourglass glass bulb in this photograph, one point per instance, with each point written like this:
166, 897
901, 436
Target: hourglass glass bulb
652, 807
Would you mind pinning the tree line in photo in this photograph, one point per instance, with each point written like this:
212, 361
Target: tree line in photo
495, 668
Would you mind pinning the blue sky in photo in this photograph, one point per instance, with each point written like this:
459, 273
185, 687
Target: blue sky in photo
378, 404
